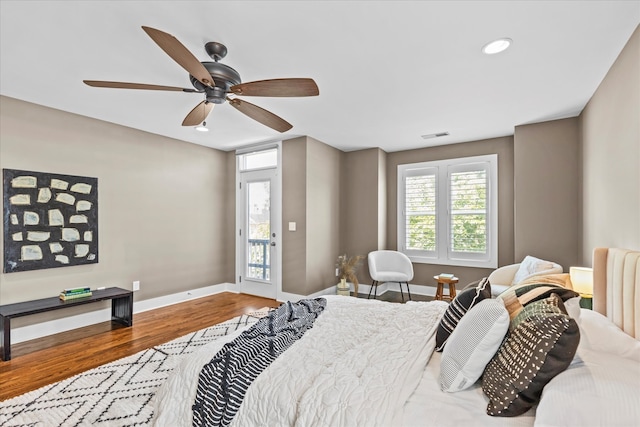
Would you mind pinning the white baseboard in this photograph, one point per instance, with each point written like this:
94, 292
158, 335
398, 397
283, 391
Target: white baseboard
153, 303
39, 330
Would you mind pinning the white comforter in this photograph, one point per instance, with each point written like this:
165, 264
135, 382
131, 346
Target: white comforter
358, 365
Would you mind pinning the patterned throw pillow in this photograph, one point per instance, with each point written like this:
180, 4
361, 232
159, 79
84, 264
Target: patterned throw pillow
518, 296
472, 344
458, 308
540, 346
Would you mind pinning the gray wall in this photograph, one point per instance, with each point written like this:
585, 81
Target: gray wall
294, 209
363, 209
311, 198
610, 133
323, 214
162, 202
546, 169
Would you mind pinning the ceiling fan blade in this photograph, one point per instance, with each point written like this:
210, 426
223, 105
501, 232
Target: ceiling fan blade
261, 115
277, 87
123, 85
180, 54
198, 114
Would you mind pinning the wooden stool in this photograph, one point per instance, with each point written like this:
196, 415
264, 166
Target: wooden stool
452, 288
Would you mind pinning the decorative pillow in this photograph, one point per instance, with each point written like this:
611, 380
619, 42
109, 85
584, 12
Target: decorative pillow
518, 296
529, 266
472, 344
551, 305
458, 307
560, 279
541, 345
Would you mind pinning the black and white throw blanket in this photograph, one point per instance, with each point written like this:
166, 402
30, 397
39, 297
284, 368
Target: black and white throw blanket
224, 381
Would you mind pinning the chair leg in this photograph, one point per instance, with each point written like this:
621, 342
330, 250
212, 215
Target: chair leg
401, 294
408, 291
374, 283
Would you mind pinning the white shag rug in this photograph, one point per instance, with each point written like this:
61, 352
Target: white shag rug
117, 393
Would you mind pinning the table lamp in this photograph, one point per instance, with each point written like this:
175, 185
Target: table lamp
582, 281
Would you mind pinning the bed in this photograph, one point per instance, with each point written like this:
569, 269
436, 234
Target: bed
367, 362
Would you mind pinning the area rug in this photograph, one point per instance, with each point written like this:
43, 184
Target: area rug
119, 393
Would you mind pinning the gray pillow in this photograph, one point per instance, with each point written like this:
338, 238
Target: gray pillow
472, 345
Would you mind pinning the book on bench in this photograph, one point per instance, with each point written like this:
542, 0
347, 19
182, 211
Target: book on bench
73, 293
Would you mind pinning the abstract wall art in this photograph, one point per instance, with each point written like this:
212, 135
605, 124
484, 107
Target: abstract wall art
49, 220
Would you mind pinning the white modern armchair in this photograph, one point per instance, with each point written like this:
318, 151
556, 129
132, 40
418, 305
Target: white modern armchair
504, 277
389, 266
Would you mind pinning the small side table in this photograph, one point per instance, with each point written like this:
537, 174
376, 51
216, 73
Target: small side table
452, 288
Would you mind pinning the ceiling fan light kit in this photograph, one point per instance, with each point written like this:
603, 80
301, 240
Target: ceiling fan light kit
202, 128
216, 81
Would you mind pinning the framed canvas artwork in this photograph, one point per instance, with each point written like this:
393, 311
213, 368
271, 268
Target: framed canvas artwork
49, 220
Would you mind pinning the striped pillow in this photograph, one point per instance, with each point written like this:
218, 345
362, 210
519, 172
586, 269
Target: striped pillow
518, 296
458, 308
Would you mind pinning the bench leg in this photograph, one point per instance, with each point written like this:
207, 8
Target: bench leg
122, 310
5, 338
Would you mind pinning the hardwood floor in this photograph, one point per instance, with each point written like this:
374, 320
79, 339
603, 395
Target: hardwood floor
393, 296
53, 358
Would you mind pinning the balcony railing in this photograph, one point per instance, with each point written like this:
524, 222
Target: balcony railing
259, 267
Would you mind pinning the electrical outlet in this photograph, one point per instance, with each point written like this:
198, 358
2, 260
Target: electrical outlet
136, 285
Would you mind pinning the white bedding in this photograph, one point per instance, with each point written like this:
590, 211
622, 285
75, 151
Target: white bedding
602, 385
354, 380
357, 366
429, 406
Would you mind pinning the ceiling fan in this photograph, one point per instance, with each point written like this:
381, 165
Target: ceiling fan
217, 82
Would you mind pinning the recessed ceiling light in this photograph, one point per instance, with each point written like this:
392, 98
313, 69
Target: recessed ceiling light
497, 46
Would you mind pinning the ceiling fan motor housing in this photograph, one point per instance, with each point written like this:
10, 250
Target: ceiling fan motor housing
223, 76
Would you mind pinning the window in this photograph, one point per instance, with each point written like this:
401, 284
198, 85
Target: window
448, 211
262, 159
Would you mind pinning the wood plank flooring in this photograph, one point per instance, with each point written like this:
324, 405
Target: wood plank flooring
53, 358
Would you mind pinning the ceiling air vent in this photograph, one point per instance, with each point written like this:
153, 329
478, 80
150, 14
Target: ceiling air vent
435, 135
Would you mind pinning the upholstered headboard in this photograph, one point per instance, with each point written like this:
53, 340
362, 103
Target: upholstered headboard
616, 287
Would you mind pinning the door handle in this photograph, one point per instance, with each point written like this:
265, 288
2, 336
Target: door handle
273, 243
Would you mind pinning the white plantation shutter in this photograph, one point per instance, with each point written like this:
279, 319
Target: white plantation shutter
468, 210
447, 211
420, 208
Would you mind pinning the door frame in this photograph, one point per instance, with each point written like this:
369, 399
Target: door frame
276, 220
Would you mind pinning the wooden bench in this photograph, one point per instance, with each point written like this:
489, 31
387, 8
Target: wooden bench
121, 311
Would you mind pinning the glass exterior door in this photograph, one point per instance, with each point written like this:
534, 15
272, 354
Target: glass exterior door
258, 265
258, 234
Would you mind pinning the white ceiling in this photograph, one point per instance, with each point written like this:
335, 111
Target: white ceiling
388, 72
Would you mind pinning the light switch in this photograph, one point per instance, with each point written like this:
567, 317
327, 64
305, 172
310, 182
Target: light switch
292, 226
